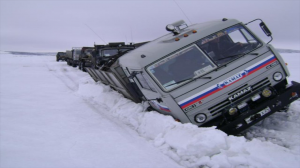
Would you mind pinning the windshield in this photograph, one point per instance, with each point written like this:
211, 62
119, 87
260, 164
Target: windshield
175, 69
88, 52
228, 44
112, 52
108, 53
76, 53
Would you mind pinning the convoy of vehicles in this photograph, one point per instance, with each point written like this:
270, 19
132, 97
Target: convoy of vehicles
216, 73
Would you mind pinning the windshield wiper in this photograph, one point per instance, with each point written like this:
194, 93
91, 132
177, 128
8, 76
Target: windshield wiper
193, 78
238, 55
253, 53
229, 56
178, 82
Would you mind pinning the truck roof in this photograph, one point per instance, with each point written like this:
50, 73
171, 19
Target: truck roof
166, 44
113, 45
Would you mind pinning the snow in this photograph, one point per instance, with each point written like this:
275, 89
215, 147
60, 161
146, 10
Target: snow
54, 115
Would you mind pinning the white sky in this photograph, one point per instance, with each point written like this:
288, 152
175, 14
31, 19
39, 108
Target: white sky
44, 25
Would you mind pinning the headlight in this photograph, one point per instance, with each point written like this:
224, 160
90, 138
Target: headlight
200, 118
277, 76
266, 92
232, 111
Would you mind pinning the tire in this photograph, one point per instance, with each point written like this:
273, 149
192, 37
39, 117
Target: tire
79, 65
82, 66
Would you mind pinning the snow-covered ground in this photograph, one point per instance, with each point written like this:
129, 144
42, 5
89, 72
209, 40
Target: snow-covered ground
55, 116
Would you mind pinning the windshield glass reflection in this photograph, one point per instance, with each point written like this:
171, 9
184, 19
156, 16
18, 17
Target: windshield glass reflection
175, 69
229, 44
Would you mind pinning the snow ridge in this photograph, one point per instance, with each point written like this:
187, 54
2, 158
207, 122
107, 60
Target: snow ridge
273, 143
193, 147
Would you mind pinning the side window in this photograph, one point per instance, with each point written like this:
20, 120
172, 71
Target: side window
122, 73
248, 36
236, 37
144, 82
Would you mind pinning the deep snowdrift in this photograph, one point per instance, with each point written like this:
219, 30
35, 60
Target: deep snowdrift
53, 115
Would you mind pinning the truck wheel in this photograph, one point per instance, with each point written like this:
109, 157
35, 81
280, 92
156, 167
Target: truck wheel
74, 64
82, 68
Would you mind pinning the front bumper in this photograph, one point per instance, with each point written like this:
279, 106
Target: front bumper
263, 110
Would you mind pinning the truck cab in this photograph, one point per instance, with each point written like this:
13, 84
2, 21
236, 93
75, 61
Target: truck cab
108, 52
217, 73
104, 55
60, 56
75, 56
85, 58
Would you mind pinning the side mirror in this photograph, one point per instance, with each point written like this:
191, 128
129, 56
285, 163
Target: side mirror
266, 30
264, 27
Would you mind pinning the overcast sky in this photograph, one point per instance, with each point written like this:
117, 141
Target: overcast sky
58, 25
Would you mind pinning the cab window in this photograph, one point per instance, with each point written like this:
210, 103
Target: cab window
144, 82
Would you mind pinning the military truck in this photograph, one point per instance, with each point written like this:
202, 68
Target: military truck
85, 58
68, 57
61, 56
73, 57
104, 55
217, 73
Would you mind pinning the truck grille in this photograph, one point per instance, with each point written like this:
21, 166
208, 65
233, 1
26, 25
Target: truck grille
216, 109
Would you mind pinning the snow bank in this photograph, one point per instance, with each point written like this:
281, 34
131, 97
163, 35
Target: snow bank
273, 143
191, 146
45, 124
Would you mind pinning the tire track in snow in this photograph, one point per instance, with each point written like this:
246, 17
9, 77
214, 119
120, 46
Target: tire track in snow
63, 74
